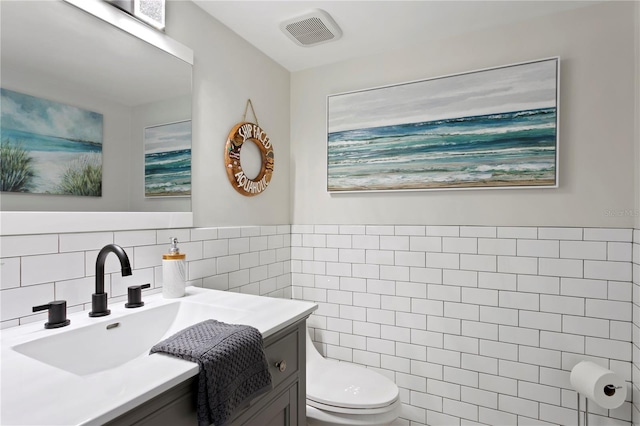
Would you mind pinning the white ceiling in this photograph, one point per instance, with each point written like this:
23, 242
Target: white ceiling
370, 27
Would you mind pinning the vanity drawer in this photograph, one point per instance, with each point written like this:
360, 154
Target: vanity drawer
282, 356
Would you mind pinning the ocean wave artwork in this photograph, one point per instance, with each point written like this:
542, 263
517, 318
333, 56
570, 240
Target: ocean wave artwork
167, 160
494, 128
47, 147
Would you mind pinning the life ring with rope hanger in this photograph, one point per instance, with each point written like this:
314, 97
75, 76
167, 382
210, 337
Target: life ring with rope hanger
239, 134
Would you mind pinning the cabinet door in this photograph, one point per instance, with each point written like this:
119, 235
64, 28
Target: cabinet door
282, 411
175, 407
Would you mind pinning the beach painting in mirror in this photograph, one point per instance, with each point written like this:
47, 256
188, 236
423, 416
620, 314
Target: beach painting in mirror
167, 160
47, 147
493, 128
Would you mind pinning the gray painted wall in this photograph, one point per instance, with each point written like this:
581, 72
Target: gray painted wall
228, 71
596, 47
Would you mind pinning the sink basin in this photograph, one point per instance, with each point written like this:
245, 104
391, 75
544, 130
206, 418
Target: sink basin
115, 341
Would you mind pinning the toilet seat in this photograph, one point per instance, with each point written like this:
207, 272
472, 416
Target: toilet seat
318, 417
353, 411
347, 388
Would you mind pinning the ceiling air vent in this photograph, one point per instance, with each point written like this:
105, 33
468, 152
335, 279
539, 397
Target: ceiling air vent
312, 28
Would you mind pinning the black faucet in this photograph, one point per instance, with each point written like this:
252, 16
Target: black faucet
99, 298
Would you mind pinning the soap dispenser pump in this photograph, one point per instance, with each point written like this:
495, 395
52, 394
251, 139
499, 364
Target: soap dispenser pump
173, 271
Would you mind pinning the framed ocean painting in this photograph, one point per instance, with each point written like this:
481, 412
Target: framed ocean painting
167, 160
492, 128
47, 147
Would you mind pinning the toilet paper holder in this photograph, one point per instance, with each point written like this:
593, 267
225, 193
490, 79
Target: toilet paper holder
599, 381
609, 390
586, 410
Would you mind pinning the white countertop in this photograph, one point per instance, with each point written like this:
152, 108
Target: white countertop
35, 393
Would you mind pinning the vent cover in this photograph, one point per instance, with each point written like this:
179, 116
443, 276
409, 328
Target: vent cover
312, 28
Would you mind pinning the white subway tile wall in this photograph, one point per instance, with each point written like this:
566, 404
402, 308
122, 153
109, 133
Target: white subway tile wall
476, 325
36, 269
635, 256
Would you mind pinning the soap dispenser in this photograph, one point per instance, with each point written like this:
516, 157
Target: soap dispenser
173, 271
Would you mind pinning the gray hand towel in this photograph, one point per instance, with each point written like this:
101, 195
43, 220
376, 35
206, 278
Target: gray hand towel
233, 366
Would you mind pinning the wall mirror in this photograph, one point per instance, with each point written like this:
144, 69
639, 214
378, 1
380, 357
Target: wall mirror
54, 51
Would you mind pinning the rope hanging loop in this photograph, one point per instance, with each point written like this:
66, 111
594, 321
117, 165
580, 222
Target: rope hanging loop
246, 108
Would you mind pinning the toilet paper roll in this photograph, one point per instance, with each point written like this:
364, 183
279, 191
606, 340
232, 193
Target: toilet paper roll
602, 386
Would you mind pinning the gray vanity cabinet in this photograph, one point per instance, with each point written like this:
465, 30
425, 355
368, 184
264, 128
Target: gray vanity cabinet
284, 405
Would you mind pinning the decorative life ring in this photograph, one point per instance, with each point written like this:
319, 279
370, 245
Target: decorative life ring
239, 134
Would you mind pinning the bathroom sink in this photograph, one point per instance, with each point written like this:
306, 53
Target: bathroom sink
87, 375
117, 340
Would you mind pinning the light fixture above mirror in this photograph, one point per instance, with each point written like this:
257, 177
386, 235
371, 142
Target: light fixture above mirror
151, 12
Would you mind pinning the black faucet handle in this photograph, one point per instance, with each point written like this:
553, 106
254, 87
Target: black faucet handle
134, 294
57, 313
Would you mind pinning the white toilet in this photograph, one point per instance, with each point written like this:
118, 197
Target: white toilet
340, 393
